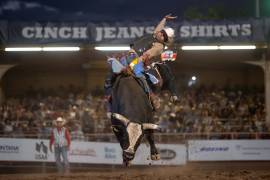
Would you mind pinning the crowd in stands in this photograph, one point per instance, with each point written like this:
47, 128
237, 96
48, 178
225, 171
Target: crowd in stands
35, 113
200, 110
213, 110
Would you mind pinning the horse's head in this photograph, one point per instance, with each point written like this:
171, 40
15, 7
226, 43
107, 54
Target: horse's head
135, 133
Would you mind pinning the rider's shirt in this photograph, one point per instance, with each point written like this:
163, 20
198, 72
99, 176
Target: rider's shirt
157, 47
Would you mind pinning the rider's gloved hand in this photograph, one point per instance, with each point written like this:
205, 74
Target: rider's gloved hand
169, 17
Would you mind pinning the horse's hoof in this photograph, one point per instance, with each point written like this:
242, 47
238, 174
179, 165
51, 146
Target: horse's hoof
126, 163
155, 157
128, 156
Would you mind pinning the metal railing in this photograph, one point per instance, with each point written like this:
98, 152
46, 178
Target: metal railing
159, 137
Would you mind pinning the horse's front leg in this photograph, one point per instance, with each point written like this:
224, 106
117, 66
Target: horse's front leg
153, 150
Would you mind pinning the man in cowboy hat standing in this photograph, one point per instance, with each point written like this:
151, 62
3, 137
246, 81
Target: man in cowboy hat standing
60, 138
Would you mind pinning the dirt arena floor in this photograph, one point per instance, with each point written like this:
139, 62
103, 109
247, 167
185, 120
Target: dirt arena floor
191, 171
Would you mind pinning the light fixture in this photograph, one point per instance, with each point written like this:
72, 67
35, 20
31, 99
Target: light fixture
112, 48
199, 48
60, 48
32, 49
237, 47
193, 78
225, 47
14, 49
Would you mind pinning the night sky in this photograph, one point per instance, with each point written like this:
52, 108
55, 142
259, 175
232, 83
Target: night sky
111, 10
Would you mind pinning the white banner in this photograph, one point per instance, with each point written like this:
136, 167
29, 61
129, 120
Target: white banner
23, 150
95, 153
169, 155
229, 150
87, 152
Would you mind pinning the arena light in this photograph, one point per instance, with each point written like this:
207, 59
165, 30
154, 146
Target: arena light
194, 78
237, 47
187, 48
22, 49
227, 47
112, 48
31, 49
60, 48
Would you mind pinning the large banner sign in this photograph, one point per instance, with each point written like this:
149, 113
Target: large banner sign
77, 33
221, 32
87, 152
229, 150
58, 33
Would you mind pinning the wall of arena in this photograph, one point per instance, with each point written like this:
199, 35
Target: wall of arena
222, 77
18, 80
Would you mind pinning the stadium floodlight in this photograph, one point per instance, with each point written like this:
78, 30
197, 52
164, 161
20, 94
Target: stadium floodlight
112, 48
60, 48
21, 49
187, 48
237, 47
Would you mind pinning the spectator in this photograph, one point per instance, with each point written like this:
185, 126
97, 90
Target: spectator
77, 134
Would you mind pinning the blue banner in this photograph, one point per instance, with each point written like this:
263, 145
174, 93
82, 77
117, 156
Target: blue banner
83, 33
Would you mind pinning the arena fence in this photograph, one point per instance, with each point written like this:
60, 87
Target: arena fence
159, 137
102, 149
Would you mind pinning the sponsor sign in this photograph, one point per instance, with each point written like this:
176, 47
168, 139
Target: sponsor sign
110, 152
7, 148
223, 31
228, 150
41, 151
12, 149
169, 155
95, 153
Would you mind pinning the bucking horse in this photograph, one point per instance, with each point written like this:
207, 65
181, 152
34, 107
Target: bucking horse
132, 111
132, 116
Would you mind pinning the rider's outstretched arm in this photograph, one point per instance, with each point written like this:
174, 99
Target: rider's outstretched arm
158, 46
162, 23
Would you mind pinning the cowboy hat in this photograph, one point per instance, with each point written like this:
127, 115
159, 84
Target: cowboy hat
60, 119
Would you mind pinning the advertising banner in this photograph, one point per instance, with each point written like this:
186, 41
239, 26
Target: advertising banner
169, 155
85, 33
12, 149
229, 150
